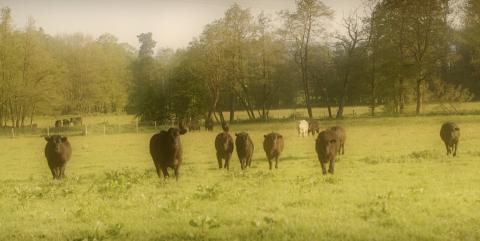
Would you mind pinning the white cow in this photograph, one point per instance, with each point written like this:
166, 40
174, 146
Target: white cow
302, 128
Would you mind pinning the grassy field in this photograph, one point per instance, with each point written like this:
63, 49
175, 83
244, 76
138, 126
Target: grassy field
394, 183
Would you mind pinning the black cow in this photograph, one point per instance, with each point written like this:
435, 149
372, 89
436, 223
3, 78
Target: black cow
244, 145
224, 147
208, 124
66, 122
194, 125
450, 134
273, 146
166, 150
326, 146
77, 121
58, 152
58, 124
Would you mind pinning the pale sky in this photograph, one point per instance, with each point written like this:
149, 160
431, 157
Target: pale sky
173, 22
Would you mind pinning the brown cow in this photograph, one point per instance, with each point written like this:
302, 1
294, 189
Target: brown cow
208, 124
273, 146
313, 127
58, 152
58, 124
166, 150
244, 145
450, 134
326, 146
224, 147
342, 137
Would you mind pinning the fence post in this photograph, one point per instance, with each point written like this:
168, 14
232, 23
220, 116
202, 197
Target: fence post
13, 132
86, 130
155, 122
104, 129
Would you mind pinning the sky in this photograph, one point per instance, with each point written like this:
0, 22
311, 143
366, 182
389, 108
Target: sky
173, 23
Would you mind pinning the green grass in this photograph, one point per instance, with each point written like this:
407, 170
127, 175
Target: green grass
394, 183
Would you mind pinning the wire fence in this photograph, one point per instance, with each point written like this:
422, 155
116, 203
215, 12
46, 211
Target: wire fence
83, 130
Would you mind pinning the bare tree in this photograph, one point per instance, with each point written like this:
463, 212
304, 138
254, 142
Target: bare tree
302, 26
349, 42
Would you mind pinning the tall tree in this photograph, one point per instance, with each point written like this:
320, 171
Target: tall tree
302, 27
349, 43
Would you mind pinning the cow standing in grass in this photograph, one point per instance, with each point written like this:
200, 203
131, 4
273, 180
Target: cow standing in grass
342, 137
273, 146
313, 127
224, 147
194, 125
66, 123
58, 152
58, 124
326, 146
244, 145
77, 121
450, 134
302, 128
166, 150
208, 124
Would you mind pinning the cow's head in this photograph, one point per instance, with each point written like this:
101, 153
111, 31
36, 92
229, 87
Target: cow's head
242, 136
57, 142
273, 137
327, 141
225, 127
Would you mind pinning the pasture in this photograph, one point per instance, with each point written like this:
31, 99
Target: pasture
394, 183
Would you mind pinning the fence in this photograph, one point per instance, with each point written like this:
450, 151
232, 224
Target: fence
84, 130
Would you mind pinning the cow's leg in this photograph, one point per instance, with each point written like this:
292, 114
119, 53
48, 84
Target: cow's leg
324, 169
227, 161
55, 172
165, 172
62, 171
343, 148
270, 162
331, 166
249, 162
455, 149
157, 168
52, 170
276, 162
177, 172
448, 148
219, 159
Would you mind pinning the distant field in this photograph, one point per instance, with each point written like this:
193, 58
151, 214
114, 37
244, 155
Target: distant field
394, 183
319, 113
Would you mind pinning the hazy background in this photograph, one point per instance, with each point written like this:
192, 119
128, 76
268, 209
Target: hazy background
173, 22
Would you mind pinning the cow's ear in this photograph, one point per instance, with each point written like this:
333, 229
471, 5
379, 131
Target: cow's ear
64, 138
236, 134
457, 129
183, 131
280, 136
265, 136
48, 138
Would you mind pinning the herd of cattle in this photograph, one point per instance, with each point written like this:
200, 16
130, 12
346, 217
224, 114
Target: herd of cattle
74, 121
166, 147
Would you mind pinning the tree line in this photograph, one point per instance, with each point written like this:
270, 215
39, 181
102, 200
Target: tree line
389, 54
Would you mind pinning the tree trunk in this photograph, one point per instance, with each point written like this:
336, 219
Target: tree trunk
344, 94
373, 101
232, 108
401, 95
419, 97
